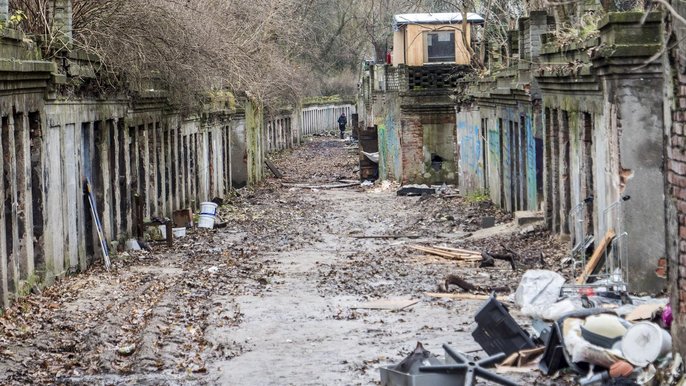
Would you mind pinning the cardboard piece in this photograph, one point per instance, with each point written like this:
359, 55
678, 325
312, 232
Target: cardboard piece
643, 312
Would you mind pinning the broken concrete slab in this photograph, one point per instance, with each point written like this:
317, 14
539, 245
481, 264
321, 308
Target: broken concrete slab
415, 190
528, 217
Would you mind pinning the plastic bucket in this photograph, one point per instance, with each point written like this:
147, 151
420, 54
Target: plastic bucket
163, 231
206, 221
645, 342
208, 208
179, 232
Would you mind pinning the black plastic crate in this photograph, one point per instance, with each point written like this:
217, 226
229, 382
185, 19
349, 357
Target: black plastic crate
498, 332
553, 356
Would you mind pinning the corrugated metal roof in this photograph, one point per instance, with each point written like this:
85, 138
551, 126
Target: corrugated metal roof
434, 18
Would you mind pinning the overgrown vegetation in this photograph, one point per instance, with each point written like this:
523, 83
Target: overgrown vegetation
276, 51
477, 197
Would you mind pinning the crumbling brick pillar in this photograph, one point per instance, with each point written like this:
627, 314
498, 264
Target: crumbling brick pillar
62, 22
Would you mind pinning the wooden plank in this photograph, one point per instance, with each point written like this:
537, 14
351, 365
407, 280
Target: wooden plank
386, 237
595, 257
330, 186
98, 225
446, 254
386, 304
433, 251
459, 296
465, 251
273, 168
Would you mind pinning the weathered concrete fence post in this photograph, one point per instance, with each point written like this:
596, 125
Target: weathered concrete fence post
4, 10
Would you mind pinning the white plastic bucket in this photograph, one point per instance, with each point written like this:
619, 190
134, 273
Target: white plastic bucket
645, 342
206, 221
163, 231
208, 208
179, 232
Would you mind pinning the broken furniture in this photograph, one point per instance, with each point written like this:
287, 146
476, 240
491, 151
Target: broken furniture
420, 368
497, 331
470, 369
140, 225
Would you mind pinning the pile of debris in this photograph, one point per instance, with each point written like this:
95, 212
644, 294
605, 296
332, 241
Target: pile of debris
605, 337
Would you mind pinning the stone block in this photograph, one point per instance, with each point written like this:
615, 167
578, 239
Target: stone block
528, 217
487, 222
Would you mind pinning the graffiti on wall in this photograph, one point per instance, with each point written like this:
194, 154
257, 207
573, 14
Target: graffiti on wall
471, 153
531, 168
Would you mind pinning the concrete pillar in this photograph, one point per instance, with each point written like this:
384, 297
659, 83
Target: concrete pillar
145, 165
227, 158
10, 197
62, 24
162, 173
174, 167
184, 168
114, 178
4, 10
154, 169
4, 267
24, 201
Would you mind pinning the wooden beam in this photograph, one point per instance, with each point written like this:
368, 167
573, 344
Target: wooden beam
595, 257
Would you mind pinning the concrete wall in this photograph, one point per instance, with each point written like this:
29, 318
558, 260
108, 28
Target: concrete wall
498, 152
416, 129
387, 122
322, 118
602, 125
128, 149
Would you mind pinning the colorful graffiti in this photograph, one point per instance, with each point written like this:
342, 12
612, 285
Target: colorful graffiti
508, 169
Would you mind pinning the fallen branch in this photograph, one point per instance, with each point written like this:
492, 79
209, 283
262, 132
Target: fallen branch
387, 237
305, 186
469, 287
489, 259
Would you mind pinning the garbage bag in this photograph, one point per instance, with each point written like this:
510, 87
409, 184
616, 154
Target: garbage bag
538, 288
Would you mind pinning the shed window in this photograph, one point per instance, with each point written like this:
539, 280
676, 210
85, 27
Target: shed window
440, 47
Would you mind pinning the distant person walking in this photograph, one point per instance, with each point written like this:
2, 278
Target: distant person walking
342, 121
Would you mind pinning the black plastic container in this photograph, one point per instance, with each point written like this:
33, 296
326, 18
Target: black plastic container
497, 332
553, 356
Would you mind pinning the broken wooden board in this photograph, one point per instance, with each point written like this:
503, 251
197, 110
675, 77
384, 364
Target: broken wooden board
272, 168
458, 250
595, 257
328, 186
447, 254
456, 262
386, 237
643, 312
462, 296
386, 304
523, 358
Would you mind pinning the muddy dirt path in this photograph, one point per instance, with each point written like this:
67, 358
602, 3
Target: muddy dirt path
271, 299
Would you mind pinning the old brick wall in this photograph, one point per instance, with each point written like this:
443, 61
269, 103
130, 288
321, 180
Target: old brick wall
675, 186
